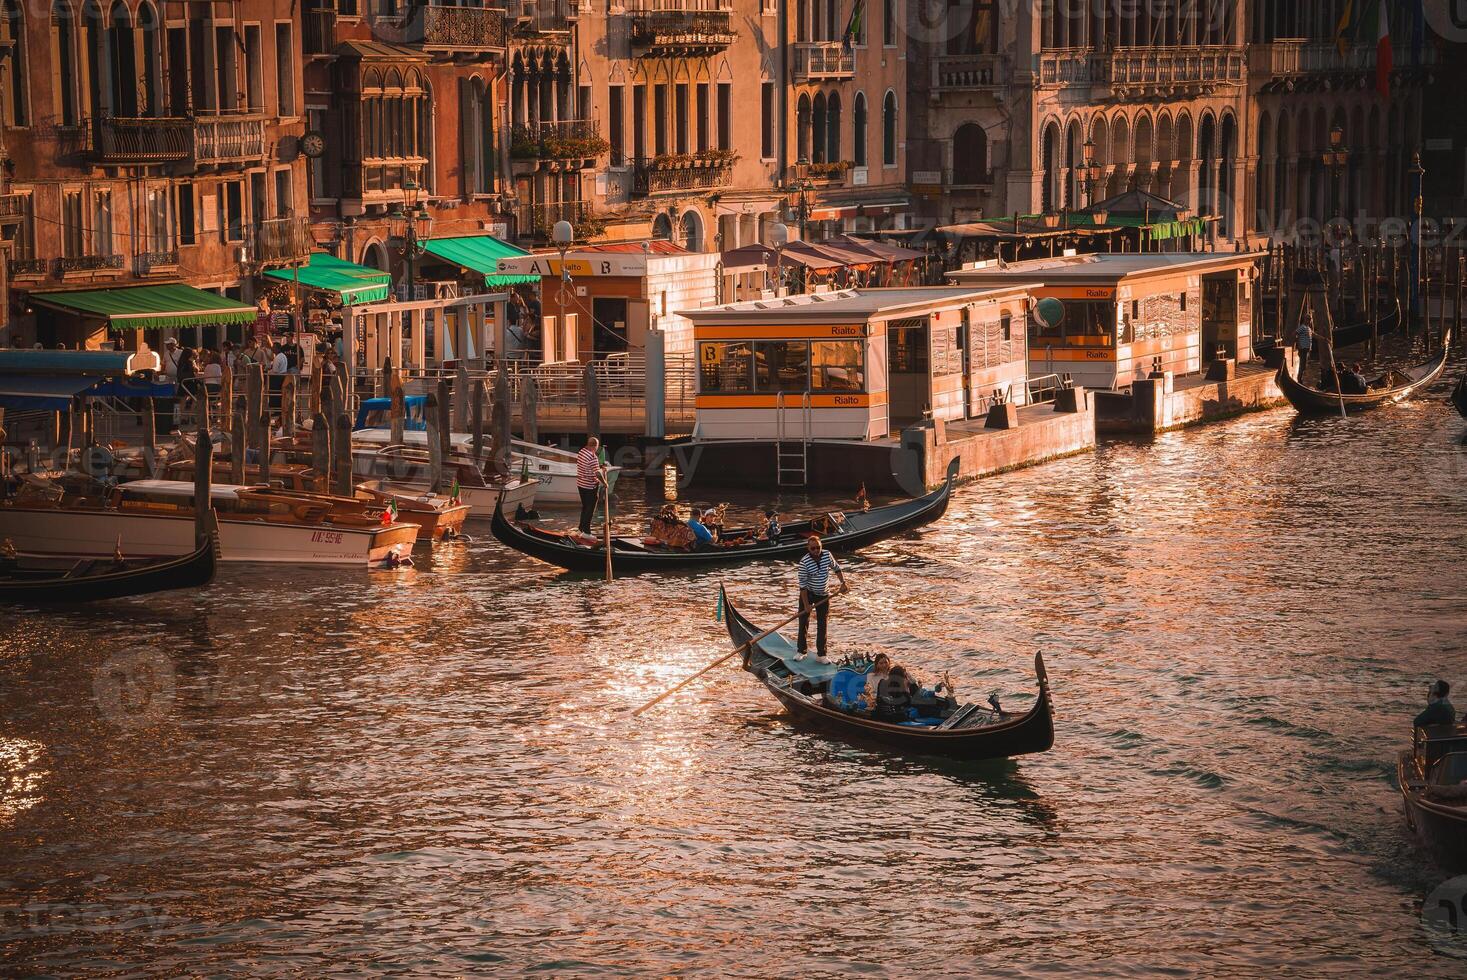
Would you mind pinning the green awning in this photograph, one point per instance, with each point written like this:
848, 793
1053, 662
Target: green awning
481, 253
165, 307
354, 283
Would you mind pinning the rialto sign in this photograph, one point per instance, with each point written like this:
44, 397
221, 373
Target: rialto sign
585, 264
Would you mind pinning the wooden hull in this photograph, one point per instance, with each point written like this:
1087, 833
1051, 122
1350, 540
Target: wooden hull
1312, 401
435, 517
414, 479
95, 533
106, 582
1442, 828
1459, 397
1011, 734
628, 554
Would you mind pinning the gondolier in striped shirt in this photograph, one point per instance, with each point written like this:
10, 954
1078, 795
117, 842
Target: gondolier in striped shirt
815, 569
590, 478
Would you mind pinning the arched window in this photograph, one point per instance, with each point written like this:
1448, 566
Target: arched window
1049, 159
375, 255
859, 119
832, 128
802, 127
692, 231
662, 228
970, 155
151, 75
817, 131
888, 22
63, 56
802, 20
17, 106
889, 130
94, 43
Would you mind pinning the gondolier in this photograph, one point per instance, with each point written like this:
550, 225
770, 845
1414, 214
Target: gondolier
815, 569
589, 479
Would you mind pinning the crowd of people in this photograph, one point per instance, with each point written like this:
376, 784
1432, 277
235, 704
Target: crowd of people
198, 373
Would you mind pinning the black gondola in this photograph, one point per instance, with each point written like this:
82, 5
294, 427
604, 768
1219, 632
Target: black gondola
92, 580
1348, 335
628, 554
966, 732
1400, 385
1432, 776
1459, 397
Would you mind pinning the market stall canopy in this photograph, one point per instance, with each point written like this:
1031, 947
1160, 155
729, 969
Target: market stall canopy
1136, 203
842, 257
37, 392
174, 306
481, 254
747, 256
880, 250
326, 273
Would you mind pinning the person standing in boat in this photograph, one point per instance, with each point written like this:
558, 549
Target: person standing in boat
1304, 342
815, 569
590, 478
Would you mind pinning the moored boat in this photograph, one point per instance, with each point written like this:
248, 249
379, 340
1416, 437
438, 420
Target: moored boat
1459, 396
438, 515
406, 469
806, 688
1397, 386
155, 519
1432, 776
849, 531
1356, 332
24, 579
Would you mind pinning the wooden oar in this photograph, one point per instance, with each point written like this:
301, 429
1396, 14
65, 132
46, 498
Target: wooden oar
737, 650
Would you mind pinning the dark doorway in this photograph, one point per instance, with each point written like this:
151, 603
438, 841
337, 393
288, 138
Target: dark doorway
610, 335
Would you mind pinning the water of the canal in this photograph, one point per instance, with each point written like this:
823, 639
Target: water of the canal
433, 771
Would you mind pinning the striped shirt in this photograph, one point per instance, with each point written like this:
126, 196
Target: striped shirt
587, 466
815, 572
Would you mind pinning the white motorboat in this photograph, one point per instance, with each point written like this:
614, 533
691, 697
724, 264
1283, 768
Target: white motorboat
405, 468
155, 519
553, 467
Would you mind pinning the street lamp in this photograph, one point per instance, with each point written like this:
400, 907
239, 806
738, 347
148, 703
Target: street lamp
1089, 172
413, 226
562, 233
802, 187
1335, 158
779, 237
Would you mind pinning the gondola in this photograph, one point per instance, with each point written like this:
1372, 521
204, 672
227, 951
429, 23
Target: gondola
1432, 776
1400, 386
1348, 335
1459, 397
968, 732
91, 580
629, 554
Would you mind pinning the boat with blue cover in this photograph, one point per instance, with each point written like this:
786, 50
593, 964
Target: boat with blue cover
830, 697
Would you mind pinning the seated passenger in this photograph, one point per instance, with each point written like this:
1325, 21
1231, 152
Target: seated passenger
1439, 710
880, 671
894, 696
701, 535
769, 528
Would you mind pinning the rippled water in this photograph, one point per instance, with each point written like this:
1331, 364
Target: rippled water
432, 771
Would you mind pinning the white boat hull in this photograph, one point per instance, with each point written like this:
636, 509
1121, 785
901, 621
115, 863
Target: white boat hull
92, 534
557, 477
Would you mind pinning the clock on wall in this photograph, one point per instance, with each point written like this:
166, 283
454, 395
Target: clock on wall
313, 144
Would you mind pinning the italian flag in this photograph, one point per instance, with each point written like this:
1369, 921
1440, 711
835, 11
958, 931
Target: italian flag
1382, 50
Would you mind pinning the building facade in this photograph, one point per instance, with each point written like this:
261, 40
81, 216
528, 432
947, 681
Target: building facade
149, 142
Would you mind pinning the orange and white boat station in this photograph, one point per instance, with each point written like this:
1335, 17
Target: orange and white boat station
857, 364
1108, 319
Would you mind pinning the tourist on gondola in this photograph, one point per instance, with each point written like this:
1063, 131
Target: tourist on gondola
814, 578
1352, 381
590, 478
768, 529
1439, 710
702, 537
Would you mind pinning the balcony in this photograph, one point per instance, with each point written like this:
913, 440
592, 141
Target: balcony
1068, 66
88, 263
318, 33
30, 268
1276, 59
159, 260
966, 72
680, 28
283, 241
1151, 73
156, 141
819, 60
533, 222
570, 142
14, 208
228, 139
681, 173
380, 180
131, 141
545, 21
1285, 64
463, 30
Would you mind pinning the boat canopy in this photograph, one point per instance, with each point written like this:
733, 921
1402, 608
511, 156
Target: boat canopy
481, 254
171, 306
413, 407
97, 363
326, 273
37, 392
